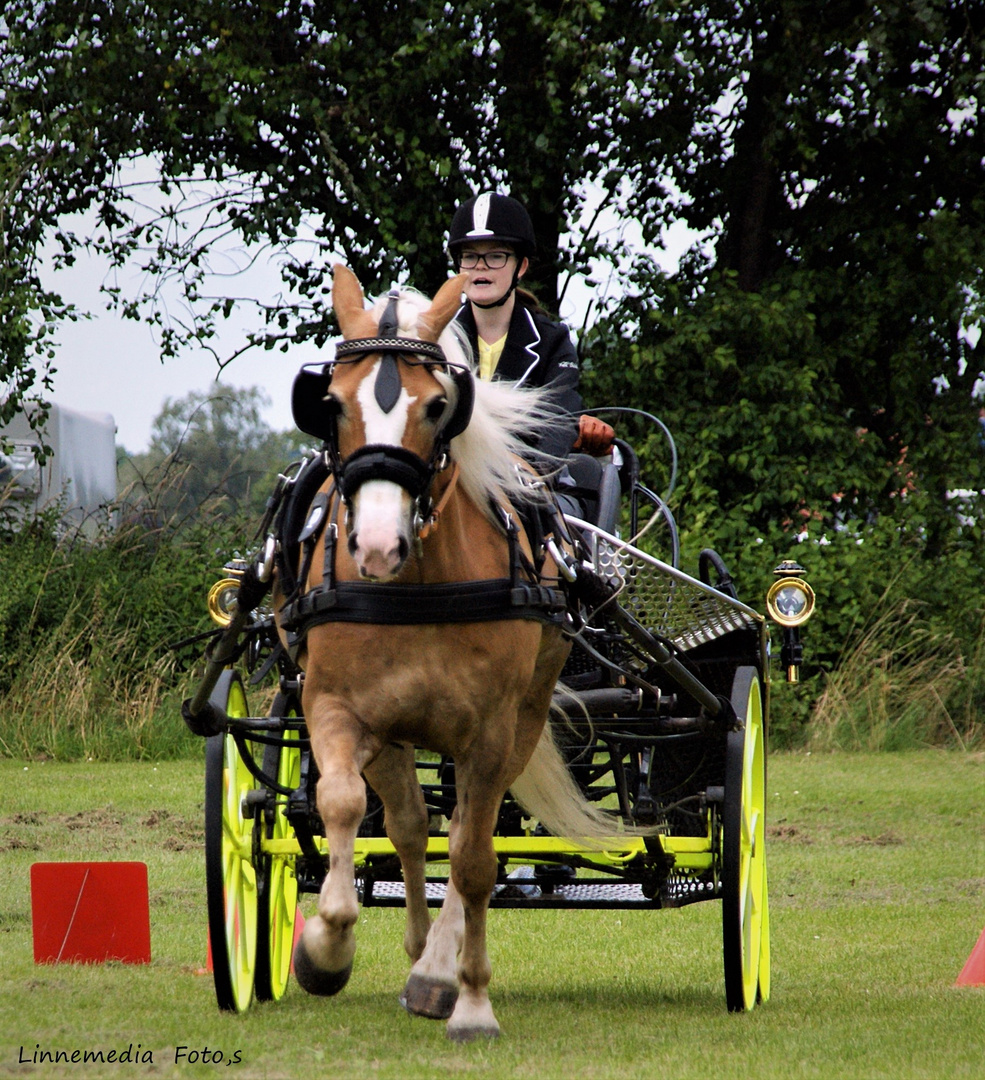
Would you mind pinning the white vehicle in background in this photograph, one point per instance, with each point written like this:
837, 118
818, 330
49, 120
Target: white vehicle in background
79, 477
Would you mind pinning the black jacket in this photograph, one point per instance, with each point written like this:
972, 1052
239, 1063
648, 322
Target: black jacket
539, 352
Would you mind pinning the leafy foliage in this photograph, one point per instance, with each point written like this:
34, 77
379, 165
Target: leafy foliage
829, 324
325, 131
818, 364
88, 634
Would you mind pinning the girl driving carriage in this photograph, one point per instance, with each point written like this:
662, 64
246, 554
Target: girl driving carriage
492, 241
453, 640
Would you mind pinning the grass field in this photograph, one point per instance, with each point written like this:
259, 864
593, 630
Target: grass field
877, 892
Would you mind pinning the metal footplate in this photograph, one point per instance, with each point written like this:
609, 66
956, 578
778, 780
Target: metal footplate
562, 874
525, 892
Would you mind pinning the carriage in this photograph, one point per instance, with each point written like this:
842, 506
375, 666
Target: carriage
658, 720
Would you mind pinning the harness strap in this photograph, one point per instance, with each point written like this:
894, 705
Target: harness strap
518, 557
432, 522
487, 600
490, 600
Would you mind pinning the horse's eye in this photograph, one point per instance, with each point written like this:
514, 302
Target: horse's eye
332, 405
436, 408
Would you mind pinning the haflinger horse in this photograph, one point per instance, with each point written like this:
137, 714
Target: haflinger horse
427, 475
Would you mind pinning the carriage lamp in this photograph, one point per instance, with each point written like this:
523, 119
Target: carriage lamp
790, 603
222, 595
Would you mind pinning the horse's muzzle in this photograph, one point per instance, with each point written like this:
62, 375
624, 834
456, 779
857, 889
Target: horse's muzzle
374, 563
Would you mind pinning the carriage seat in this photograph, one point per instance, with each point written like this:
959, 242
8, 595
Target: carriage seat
590, 488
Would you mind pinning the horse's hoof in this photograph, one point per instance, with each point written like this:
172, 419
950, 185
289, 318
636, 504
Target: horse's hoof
313, 979
427, 997
470, 1033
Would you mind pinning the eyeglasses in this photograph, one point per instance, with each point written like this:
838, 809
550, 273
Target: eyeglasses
492, 260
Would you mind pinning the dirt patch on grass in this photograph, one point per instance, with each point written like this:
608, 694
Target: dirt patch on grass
34, 830
92, 819
887, 839
17, 843
791, 833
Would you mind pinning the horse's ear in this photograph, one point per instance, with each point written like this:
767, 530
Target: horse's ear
348, 302
442, 310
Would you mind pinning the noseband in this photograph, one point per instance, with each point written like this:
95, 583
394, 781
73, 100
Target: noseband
392, 463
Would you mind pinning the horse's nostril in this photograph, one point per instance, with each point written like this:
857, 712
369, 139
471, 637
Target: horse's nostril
353, 543
403, 549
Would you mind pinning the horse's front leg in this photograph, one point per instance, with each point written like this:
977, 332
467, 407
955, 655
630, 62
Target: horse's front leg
394, 778
451, 978
342, 749
473, 870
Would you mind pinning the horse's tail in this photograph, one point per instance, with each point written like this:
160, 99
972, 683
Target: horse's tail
546, 790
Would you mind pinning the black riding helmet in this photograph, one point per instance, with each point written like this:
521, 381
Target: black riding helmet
491, 216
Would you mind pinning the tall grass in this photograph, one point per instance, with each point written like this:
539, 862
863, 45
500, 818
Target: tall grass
87, 695
88, 628
88, 667
904, 682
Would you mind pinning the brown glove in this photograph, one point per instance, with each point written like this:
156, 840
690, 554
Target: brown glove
594, 436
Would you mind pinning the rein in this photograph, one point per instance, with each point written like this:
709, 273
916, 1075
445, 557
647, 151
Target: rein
431, 524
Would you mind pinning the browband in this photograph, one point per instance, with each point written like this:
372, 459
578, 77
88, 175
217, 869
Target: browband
359, 346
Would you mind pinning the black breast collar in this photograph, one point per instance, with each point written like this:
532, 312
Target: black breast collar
519, 596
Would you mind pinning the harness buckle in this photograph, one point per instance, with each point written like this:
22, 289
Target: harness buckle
421, 528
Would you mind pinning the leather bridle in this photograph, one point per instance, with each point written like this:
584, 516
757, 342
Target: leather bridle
379, 461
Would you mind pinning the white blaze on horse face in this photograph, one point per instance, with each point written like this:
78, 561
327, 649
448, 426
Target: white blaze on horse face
381, 510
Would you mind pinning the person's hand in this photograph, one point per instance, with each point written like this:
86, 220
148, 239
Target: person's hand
594, 436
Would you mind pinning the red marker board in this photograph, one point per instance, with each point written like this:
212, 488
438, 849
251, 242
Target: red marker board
89, 912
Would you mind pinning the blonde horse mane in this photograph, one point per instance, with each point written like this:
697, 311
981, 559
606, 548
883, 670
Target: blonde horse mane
488, 449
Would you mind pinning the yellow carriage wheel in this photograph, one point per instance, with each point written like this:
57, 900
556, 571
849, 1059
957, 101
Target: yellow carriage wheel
745, 910
230, 873
764, 947
278, 894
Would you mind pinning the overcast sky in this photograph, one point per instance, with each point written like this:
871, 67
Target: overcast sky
110, 364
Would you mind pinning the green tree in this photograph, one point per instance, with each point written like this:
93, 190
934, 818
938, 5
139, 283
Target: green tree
207, 447
318, 131
816, 352
816, 358
830, 158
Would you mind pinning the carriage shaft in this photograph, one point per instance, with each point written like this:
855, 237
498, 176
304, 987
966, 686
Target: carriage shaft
669, 663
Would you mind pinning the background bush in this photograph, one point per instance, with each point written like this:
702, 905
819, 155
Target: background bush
92, 665
89, 634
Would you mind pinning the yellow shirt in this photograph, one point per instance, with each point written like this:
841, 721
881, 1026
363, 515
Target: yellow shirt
489, 357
